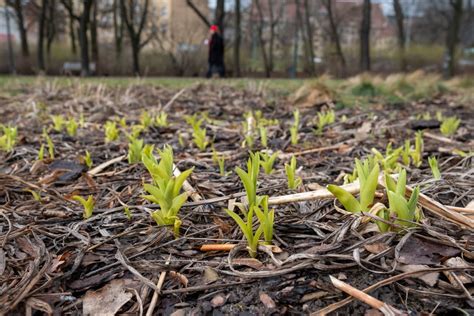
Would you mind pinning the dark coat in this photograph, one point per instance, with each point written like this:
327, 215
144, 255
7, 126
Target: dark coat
216, 49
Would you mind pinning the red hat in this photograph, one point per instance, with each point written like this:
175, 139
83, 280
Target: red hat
214, 28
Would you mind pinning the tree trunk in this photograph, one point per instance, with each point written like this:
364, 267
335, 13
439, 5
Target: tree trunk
135, 56
72, 35
237, 39
11, 57
118, 31
51, 27
94, 37
452, 38
260, 26
399, 17
84, 21
365, 37
42, 19
17, 5
335, 39
219, 15
308, 35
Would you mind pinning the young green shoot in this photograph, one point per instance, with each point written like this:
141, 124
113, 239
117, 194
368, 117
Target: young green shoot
267, 161
294, 135
324, 119
71, 127
145, 119
135, 147
41, 152
368, 179
8, 139
417, 153
449, 126
290, 169
249, 179
161, 119
111, 131
220, 161
404, 210
263, 136
165, 190
88, 204
58, 122
88, 159
433, 162
50, 143
266, 219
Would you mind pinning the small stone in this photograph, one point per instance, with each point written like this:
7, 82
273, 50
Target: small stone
218, 300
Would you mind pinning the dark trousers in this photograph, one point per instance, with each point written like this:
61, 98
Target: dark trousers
215, 68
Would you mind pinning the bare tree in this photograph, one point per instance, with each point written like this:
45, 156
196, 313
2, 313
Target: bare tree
267, 46
118, 29
135, 26
17, 5
307, 30
237, 39
41, 29
399, 17
94, 36
219, 14
83, 19
334, 35
452, 36
71, 26
50, 26
365, 36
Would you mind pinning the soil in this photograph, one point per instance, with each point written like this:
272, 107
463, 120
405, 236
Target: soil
52, 260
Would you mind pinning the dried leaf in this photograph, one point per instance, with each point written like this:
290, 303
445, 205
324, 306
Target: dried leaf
39, 305
267, 300
210, 275
248, 262
376, 247
313, 296
179, 277
429, 278
109, 299
419, 251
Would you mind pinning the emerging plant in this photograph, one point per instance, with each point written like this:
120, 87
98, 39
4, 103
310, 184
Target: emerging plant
36, 195
50, 143
267, 161
294, 127
161, 119
71, 127
406, 152
263, 136
389, 160
220, 161
87, 204
366, 165
368, 184
199, 133
324, 119
249, 179
417, 153
145, 119
82, 120
399, 206
246, 226
41, 152
165, 190
136, 130
290, 169
111, 131
434, 167
449, 126
8, 139
87, 159
135, 147
58, 122
266, 219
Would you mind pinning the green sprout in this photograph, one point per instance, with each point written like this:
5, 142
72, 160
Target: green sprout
122, 122
434, 167
136, 130
111, 131
417, 153
145, 119
71, 127
87, 204
82, 120
41, 152
267, 161
406, 152
324, 119
290, 169
249, 179
87, 159
266, 219
58, 122
8, 139
36, 195
449, 126
127, 212
264, 136
294, 135
366, 165
199, 133
165, 190
135, 147
220, 161
50, 143
162, 119
405, 210
246, 226
368, 179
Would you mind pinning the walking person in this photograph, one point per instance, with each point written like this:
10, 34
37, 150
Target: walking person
216, 53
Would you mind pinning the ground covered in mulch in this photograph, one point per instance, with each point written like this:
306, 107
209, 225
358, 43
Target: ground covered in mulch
53, 260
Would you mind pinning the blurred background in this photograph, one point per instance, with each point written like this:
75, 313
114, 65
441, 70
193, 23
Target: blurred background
263, 38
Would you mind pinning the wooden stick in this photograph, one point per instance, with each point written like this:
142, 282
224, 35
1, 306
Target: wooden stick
385, 308
104, 165
159, 285
187, 186
170, 102
217, 247
319, 194
311, 151
461, 209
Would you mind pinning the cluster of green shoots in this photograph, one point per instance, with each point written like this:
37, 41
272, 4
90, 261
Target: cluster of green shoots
256, 206
165, 188
161, 119
400, 211
59, 123
111, 131
9, 138
293, 180
449, 126
50, 145
323, 119
267, 161
220, 161
255, 121
88, 204
433, 162
199, 133
294, 128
